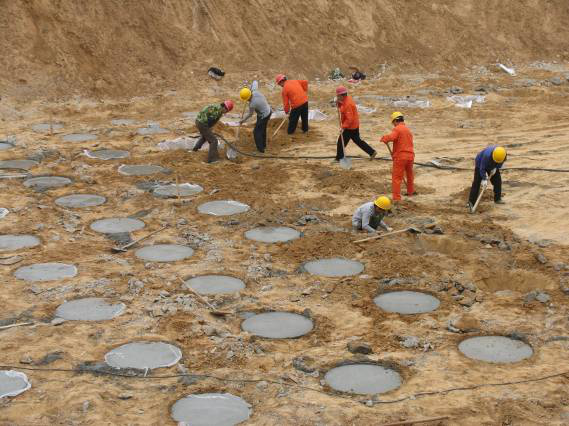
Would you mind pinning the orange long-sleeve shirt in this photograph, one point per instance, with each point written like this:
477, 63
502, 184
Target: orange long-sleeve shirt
295, 94
349, 113
402, 139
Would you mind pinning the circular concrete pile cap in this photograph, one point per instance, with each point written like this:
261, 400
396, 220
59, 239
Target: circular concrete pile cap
334, 267
144, 355
211, 409
278, 325
89, 309
107, 154
173, 190
18, 242
122, 122
272, 234
79, 137
140, 169
407, 302
164, 253
215, 284
77, 201
495, 349
223, 208
5, 146
13, 383
46, 182
363, 379
18, 164
46, 127
46, 272
117, 225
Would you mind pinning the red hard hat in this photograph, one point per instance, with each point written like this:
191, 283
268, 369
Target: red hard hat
341, 90
280, 78
228, 104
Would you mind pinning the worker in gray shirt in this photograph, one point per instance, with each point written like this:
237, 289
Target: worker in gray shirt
257, 103
370, 215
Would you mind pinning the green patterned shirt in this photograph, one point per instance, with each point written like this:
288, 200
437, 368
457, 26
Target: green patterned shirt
210, 114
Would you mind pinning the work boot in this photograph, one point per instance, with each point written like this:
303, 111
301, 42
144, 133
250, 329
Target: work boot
373, 155
500, 201
470, 207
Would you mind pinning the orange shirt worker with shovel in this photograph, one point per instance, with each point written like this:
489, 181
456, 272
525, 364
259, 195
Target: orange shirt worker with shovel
295, 101
403, 155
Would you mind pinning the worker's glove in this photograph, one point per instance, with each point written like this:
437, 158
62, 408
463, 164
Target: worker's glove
485, 183
389, 229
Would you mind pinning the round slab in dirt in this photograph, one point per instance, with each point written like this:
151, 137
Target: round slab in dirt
140, 169
46, 272
144, 355
211, 409
5, 146
172, 190
116, 225
46, 182
18, 164
107, 154
164, 253
335, 267
363, 379
89, 309
13, 383
215, 284
495, 349
123, 122
152, 130
18, 242
272, 234
407, 302
278, 325
79, 137
223, 208
46, 127
77, 201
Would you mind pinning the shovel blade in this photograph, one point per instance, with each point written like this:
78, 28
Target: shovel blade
230, 153
346, 163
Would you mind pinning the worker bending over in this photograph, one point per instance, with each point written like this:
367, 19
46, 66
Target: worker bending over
206, 119
350, 125
295, 101
257, 103
369, 216
403, 155
488, 163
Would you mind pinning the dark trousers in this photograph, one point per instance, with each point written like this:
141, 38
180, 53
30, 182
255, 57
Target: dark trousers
475, 189
295, 114
207, 135
260, 132
352, 135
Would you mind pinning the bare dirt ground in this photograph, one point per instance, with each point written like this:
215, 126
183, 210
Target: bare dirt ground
481, 268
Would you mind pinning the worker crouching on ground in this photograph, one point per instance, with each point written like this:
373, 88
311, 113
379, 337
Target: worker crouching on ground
350, 124
295, 101
206, 119
403, 155
369, 216
488, 163
257, 103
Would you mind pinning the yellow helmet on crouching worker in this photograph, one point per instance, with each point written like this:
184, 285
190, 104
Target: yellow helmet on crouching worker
499, 154
383, 203
396, 115
245, 94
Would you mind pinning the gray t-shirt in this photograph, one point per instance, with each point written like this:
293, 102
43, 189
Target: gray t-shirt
363, 216
258, 103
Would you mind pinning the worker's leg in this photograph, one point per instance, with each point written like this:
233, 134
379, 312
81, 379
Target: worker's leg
475, 189
212, 154
497, 184
410, 177
293, 117
396, 178
361, 143
260, 133
339, 151
201, 139
264, 124
304, 117
356, 225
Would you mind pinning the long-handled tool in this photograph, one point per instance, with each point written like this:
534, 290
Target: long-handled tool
129, 245
230, 153
345, 163
391, 153
473, 209
411, 230
278, 128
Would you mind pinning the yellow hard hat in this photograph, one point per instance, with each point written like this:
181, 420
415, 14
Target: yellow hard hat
396, 115
499, 154
383, 203
245, 94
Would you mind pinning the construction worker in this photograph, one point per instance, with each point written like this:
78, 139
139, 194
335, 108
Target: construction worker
403, 155
257, 103
488, 163
295, 101
350, 125
206, 119
369, 216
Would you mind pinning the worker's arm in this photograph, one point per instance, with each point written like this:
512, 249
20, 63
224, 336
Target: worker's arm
304, 84
286, 102
482, 167
391, 137
249, 113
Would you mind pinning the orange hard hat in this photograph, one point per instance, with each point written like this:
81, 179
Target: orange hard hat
341, 90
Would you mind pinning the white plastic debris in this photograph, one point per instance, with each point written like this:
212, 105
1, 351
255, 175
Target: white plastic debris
366, 110
313, 114
3, 212
412, 103
466, 101
183, 142
13, 383
504, 68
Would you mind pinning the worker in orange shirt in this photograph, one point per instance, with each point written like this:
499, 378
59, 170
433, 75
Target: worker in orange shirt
295, 101
350, 124
402, 154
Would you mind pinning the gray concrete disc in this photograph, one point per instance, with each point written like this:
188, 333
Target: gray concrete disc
46, 182
334, 267
116, 225
140, 169
363, 379
211, 409
79, 137
89, 309
18, 242
164, 253
13, 383
495, 349
3, 212
18, 164
107, 154
152, 130
278, 325
172, 190
123, 122
223, 208
46, 127
144, 355
46, 272
215, 284
407, 302
272, 234
5, 146
77, 201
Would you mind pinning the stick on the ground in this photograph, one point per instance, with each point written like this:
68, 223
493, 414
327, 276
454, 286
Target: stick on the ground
413, 422
4, 327
129, 245
278, 128
203, 300
375, 237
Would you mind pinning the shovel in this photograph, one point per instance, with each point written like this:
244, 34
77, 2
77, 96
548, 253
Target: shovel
473, 209
230, 153
278, 128
411, 230
129, 245
345, 163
